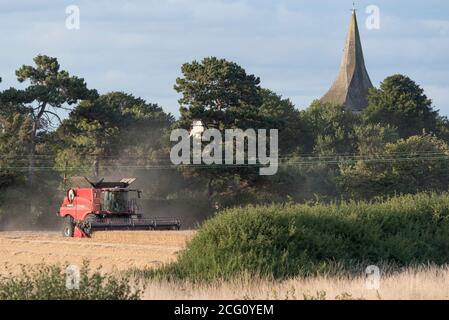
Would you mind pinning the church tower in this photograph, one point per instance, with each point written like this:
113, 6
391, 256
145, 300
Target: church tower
352, 84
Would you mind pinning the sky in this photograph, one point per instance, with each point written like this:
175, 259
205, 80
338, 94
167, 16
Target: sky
294, 46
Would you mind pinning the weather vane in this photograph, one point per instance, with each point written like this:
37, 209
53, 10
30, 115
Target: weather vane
353, 7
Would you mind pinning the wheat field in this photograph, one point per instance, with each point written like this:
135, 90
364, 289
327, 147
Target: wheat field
109, 250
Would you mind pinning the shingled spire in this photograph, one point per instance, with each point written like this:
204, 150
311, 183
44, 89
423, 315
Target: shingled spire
353, 83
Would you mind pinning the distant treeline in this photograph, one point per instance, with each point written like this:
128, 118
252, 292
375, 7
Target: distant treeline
397, 145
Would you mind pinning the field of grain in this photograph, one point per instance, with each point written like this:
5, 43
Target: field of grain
412, 284
112, 250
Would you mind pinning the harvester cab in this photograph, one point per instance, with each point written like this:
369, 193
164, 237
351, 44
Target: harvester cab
92, 206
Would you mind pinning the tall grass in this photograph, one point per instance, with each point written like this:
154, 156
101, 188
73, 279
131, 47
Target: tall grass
283, 241
418, 282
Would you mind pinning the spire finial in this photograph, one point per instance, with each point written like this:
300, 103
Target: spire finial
353, 7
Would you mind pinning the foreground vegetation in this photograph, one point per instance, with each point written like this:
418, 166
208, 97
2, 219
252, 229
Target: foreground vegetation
284, 241
49, 282
415, 283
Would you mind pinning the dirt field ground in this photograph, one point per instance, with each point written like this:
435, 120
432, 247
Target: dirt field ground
112, 250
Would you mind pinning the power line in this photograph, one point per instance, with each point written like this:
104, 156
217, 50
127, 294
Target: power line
296, 162
149, 157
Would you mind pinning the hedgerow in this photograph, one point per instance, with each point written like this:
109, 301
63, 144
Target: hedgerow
289, 240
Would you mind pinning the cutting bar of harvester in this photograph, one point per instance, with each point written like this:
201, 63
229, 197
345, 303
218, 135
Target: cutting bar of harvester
134, 224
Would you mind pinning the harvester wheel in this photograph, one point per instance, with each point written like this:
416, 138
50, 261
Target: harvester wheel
87, 223
68, 227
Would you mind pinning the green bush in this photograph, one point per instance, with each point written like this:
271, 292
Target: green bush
289, 240
48, 282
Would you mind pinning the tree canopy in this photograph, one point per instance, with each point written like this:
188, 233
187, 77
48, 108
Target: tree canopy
219, 93
56, 127
49, 90
114, 126
401, 103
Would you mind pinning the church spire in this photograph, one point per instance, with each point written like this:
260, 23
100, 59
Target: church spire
352, 83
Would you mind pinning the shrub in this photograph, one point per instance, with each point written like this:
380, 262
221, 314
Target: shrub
289, 240
48, 282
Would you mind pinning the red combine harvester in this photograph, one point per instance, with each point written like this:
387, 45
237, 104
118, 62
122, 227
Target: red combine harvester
94, 206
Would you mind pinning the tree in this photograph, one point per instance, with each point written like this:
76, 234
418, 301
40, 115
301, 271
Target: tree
325, 130
15, 125
276, 112
50, 89
372, 138
418, 163
365, 178
222, 95
115, 126
219, 93
14, 129
401, 103
442, 128
330, 129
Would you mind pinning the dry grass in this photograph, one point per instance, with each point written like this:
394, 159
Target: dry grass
414, 283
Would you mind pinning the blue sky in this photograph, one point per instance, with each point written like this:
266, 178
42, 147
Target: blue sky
294, 46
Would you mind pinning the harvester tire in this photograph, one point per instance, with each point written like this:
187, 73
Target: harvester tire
68, 227
86, 223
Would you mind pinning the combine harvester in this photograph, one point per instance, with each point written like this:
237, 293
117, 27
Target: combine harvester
101, 206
